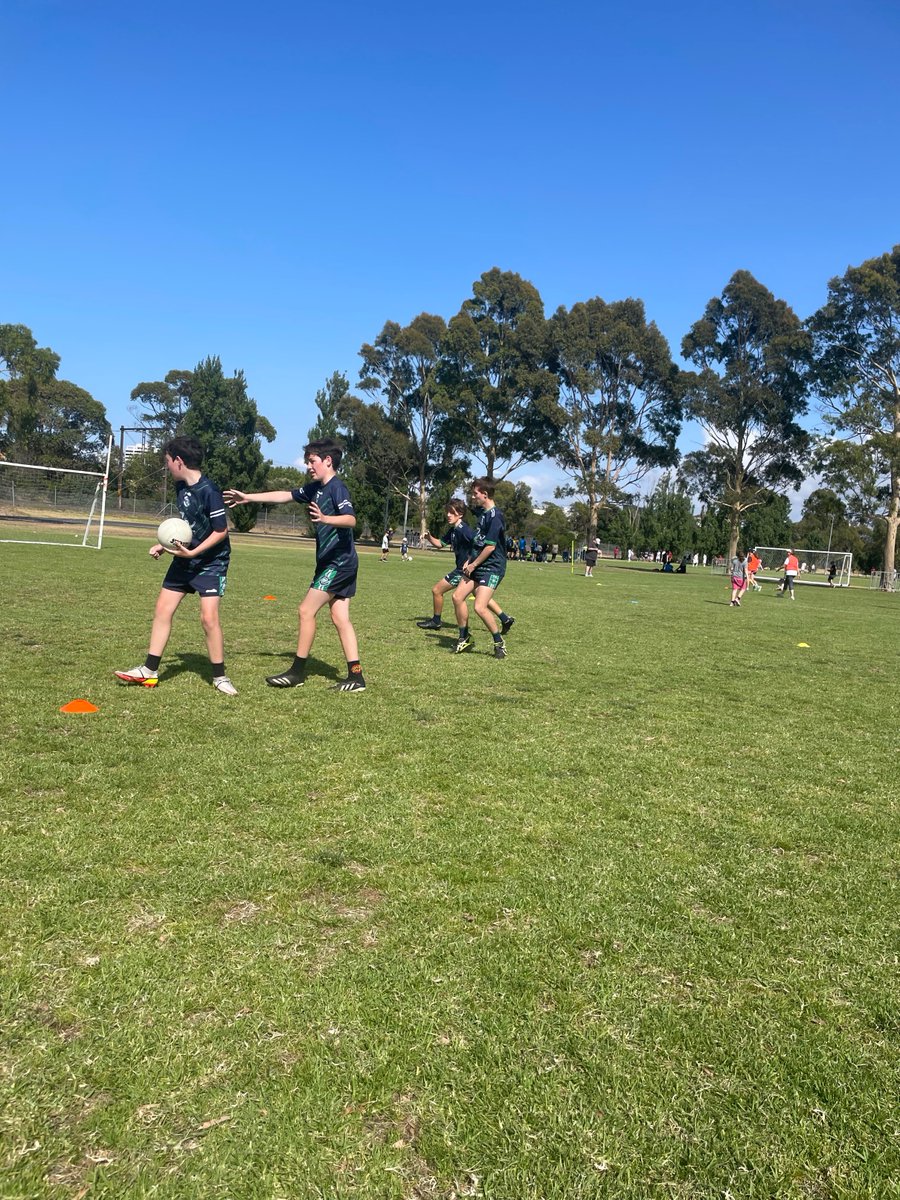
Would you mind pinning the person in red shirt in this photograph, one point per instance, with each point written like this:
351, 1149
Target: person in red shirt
754, 562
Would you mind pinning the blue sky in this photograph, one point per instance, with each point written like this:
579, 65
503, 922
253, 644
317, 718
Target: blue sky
271, 183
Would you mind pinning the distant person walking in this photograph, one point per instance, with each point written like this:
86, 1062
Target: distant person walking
738, 578
791, 567
590, 559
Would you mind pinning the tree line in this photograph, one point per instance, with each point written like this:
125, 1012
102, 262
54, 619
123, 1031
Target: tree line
593, 388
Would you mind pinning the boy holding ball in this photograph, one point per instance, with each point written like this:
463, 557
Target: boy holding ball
201, 568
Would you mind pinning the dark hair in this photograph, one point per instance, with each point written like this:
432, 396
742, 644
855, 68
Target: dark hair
457, 506
325, 448
188, 449
485, 484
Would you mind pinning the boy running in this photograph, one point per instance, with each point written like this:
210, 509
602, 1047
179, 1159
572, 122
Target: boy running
484, 570
458, 537
334, 582
200, 568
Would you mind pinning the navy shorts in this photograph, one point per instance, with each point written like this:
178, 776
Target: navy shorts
339, 582
454, 577
205, 581
491, 579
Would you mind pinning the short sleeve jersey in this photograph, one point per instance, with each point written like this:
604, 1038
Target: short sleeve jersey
202, 506
334, 546
491, 530
459, 538
738, 568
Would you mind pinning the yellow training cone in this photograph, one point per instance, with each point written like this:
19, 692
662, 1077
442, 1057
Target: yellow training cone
803, 645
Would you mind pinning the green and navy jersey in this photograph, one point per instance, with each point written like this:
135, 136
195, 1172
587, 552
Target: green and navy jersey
459, 538
491, 530
202, 506
334, 545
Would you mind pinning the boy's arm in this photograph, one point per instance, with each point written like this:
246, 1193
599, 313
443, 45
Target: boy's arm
436, 542
316, 515
181, 551
476, 562
233, 497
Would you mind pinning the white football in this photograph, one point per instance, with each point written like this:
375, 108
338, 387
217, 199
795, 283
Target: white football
172, 530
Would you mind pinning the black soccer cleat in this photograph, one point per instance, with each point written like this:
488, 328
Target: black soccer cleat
353, 683
500, 649
431, 623
506, 626
287, 680
463, 643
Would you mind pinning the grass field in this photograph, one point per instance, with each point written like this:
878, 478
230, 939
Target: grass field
615, 917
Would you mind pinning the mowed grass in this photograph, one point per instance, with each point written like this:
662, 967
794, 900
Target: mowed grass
613, 917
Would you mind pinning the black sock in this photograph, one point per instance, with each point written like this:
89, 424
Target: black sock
498, 637
503, 617
218, 670
297, 667
353, 668
151, 662
463, 632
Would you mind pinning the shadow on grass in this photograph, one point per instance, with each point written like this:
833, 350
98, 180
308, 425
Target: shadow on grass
198, 664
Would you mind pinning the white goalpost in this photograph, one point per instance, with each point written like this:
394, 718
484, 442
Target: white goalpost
815, 565
53, 506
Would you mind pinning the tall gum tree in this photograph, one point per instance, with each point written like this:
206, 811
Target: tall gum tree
404, 366
495, 371
619, 411
856, 338
752, 354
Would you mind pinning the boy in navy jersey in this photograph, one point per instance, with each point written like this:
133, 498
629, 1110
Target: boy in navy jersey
484, 570
202, 567
334, 582
459, 538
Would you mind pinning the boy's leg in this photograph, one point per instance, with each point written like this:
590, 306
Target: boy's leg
340, 616
460, 595
166, 604
438, 592
506, 621
306, 616
484, 594
215, 644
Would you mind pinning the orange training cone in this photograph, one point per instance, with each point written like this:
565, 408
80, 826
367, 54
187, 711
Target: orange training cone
270, 597
79, 706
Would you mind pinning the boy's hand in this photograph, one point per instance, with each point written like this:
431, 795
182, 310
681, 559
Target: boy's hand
467, 569
156, 551
315, 513
181, 551
233, 497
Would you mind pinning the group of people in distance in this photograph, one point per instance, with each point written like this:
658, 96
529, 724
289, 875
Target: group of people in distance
201, 568
743, 575
480, 555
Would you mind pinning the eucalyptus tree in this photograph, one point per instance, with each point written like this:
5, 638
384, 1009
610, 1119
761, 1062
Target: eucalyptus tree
404, 367
224, 419
856, 337
501, 392
750, 388
619, 410
24, 368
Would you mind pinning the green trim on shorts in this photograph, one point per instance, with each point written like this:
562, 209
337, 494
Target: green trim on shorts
324, 580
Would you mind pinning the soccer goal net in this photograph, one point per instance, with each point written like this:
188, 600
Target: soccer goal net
53, 506
823, 567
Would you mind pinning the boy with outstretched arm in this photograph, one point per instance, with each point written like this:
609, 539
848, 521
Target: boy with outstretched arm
200, 568
458, 537
484, 570
334, 582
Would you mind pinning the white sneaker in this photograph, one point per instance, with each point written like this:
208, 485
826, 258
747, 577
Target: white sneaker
223, 684
136, 675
